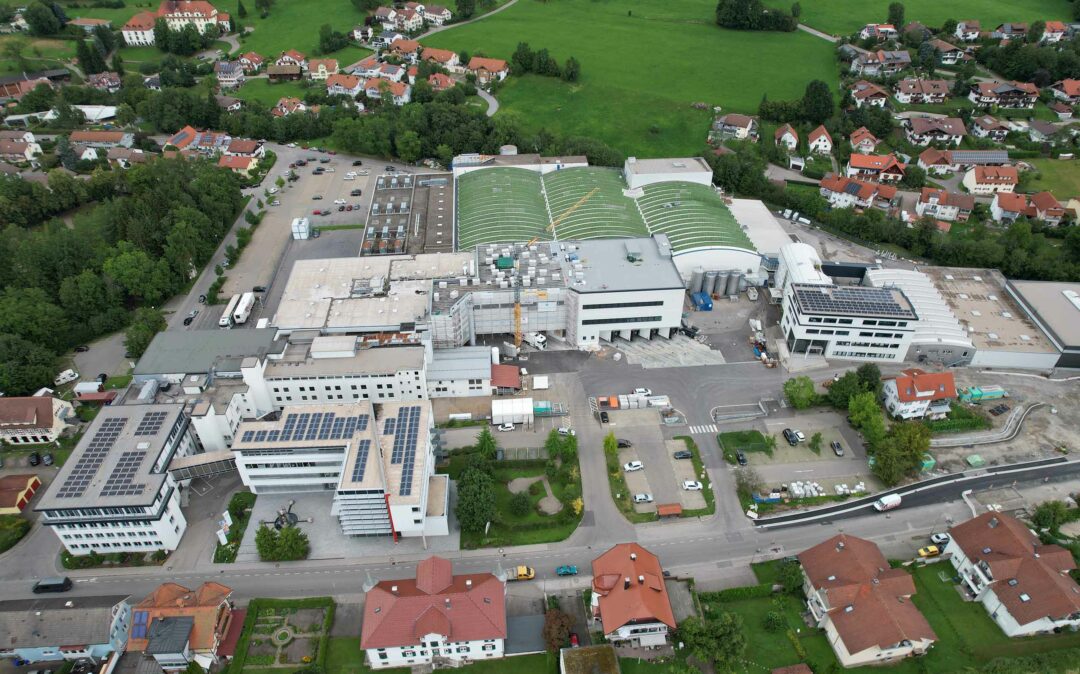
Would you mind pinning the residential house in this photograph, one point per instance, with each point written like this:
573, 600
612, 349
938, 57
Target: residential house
942, 205
89, 25
440, 82
230, 74
251, 62
1004, 94
152, 82
344, 85
444, 57
1008, 207
949, 54
18, 151
279, 73
240, 165
366, 67
1061, 109
1010, 31
410, 20
1024, 584
177, 626
107, 81
868, 93
245, 147
125, 158
177, 14
390, 71
408, 50
926, 130
437, 14
881, 63
411, 73
734, 126
400, 93
991, 179
415, 6
1067, 91
1047, 208
989, 127
968, 31
843, 192
287, 106
24, 136
916, 394
1044, 132
819, 141
139, 30
919, 29
488, 70
961, 160
386, 38
86, 152
362, 33
292, 58
863, 604
878, 31
787, 137
1054, 32
320, 69
62, 628
629, 597
387, 16
16, 492
103, 139
435, 617
922, 91
878, 168
863, 141
205, 142
228, 103
33, 420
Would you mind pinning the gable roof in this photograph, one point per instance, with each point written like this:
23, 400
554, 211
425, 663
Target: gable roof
461, 608
1045, 202
96, 136
732, 119
950, 126
923, 87
329, 64
646, 597
171, 600
862, 189
997, 175
1005, 547
818, 133
29, 412
440, 55
405, 46
989, 123
251, 57
914, 384
861, 134
785, 130
243, 145
864, 89
490, 65
874, 162
348, 82
869, 603
964, 202
233, 162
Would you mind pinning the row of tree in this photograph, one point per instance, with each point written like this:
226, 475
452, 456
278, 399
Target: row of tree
150, 229
816, 106
1040, 64
540, 62
753, 15
185, 41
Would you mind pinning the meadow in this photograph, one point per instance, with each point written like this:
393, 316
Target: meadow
294, 24
644, 64
267, 94
37, 53
1062, 177
842, 17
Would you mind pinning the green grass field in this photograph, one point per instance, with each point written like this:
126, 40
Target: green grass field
841, 17
1058, 176
261, 91
295, 25
644, 63
118, 16
39, 54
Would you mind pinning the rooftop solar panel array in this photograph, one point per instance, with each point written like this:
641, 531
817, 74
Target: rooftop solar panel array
310, 426
359, 467
119, 482
90, 461
151, 423
860, 301
406, 431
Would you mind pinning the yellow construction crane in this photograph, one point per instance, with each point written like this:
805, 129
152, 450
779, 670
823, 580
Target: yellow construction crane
550, 229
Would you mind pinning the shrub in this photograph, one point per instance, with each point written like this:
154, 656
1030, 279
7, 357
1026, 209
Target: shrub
520, 504
774, 621
737, 593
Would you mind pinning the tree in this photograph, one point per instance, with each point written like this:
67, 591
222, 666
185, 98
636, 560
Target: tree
869, 377
194, 668
520, 504
747, 481
117, 65
865, 415
815, 443
25, 366
800, 392
31, 314
842, 389
65, 153
817, 102
105, 38
292, 545
896, 14
331, 40
485, 444
409, 147
476, 500
241, 11
13, 48
1035, 31
571, 70
556, 629
465, 8
146, 323
900, 452
718, 641
266, 542
774, 621
796, 10
791, 578
41, 19
523, 60
1051, 515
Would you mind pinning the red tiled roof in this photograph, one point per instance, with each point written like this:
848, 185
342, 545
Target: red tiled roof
243, 146
1013, 553
866, 190
862, 133
962, 201
818, 133
874, 162
997, 175
404, 46
108, 396
1046, 203
294, 55
252, 57
348, 82
1068, 87
25, 413
15, 488
203, 604
915, 384
461, 608
438, 81
440, 55
505, 376
198, 7
786, 129
141, 21
490, 65
329, 64
1013, 203
1054, 27
646, 598
395, 88
236, 163
864, 89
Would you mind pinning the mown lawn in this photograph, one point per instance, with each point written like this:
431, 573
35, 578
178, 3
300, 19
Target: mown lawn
643, 64
39, 54
295, 25
118, 16
344, 656
262, 91
841, 17
1062, 177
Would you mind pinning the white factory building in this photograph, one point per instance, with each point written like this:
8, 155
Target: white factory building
114, 493
381, 469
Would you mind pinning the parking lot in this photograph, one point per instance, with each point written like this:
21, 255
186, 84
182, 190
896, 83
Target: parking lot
642, 429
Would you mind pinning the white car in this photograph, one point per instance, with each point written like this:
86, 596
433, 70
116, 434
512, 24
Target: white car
275, 202
350, 174
940, 539
633, 466
643, 498
566, 430
800, 436
339, 201
291, 145
506, 428
273, 190
642, 392
691, 485
349, 177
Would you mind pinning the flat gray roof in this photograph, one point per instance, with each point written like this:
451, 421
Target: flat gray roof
1052, 308
672, 165
379, 360
607, 266
169, 635
467, 362
199, 351
31, 623
114, 463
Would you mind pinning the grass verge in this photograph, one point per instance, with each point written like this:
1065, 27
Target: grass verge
240, 506
706, 481
12, 530
746, 441
620, 493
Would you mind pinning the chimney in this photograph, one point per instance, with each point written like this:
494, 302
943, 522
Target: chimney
633, 556
994, 522
641, 580
626, 583
448, 602
468, 582
839, 546
393, 589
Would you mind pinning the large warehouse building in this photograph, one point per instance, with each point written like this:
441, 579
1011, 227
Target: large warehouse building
1055, 309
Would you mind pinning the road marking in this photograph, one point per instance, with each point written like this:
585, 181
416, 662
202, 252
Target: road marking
698, 430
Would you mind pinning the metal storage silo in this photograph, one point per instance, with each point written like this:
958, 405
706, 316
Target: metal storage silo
697, 277
709, 287
732, 284
743, 283
721, 283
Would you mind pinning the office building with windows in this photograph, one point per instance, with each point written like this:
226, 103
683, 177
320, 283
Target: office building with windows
114, 493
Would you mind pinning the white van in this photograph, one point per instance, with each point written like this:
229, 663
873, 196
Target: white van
65, 376
887, 502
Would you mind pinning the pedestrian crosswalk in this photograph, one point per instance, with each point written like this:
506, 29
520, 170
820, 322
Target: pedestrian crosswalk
698, 430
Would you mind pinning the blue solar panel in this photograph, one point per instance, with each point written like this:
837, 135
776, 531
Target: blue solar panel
405, 428
361, 460
138, 628
310, 426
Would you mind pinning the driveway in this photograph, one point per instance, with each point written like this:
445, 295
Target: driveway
493, 105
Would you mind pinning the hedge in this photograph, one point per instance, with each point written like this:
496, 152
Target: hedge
256, 605
1052, 661
738, 593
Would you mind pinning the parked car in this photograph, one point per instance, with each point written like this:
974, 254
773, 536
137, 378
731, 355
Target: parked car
348, 207
188, 320
837, 448
790, 436
740, 457
632, 466
324, 212
800, 436
643, 498
390, 169
929, 551
506, 428
316, 197
691, 485
574, 641
355, 193
940, 539
82, 349
566, 570
324, 160
341, 208
604, 418
566, 430
47, 459
258, 289
339, 201
643, 392
316, 212
34, 458
683, 454
273, 190
624, 444
358, 162
275, 202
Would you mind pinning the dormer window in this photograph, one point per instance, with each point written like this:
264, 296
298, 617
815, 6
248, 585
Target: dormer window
1025, 597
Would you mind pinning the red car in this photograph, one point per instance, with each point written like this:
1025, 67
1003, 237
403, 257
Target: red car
316, 212
574, 643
